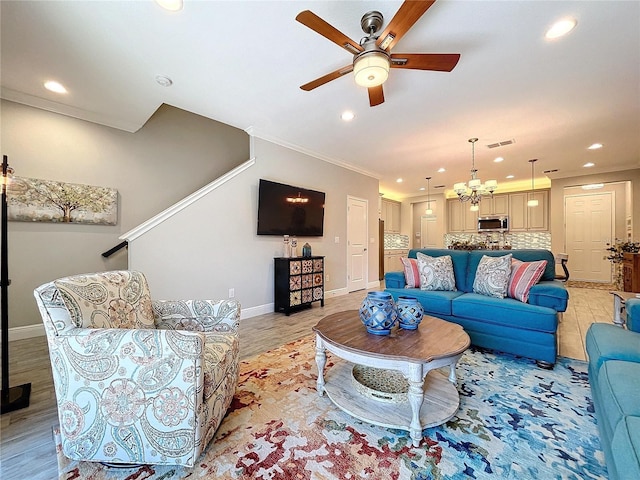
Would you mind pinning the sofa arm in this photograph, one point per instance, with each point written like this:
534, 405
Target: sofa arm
550, 293
197, 315
394, 280
632, 306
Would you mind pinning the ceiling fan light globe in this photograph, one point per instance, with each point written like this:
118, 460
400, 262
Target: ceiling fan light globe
371, 70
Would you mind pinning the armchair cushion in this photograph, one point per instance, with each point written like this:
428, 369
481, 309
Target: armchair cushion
108, 300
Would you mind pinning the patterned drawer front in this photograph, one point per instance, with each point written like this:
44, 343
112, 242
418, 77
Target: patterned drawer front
294, 298
295, 282
307, 296
307, 266
317, 293
317, 279
295, 267
317, 265
307, 281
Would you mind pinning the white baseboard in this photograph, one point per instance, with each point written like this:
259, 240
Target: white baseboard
29, 331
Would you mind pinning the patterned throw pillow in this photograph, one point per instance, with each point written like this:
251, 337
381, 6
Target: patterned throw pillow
492, 276
524, 275
411, 275
436, 273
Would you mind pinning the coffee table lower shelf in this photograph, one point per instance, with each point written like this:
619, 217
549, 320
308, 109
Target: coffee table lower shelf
440, 404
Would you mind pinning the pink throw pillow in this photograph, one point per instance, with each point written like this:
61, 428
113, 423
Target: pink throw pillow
411, 275
524, 275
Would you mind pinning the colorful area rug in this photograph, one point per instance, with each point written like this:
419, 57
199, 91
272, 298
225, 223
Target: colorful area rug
516, 421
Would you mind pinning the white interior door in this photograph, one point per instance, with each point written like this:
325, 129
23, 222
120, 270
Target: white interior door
357, 245
588, 229
429, 232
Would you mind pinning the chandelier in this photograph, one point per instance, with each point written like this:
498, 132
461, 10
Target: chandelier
476, 189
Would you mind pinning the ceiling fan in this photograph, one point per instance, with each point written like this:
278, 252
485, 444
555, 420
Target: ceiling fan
372, 57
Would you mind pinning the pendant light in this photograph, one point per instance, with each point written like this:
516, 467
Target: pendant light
429, 210
532, 201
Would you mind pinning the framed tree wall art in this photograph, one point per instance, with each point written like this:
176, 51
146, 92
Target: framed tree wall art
34, 200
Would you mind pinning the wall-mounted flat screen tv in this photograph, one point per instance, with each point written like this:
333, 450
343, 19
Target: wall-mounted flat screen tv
288, 210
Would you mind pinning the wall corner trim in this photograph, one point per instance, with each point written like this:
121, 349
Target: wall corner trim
185, 202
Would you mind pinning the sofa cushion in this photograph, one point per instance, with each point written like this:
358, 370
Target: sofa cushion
605, 341
625, 448
436, 273
524, 275
411, 274
492, 276
551, 294
618, 386
434, 302
505, 311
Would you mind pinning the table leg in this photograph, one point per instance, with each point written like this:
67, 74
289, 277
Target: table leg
321, 361
416, 397
452, 373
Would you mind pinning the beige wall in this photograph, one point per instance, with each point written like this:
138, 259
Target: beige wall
173, 155
212, 245
560, 186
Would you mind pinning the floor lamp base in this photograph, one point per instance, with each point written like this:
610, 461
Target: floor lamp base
15, 398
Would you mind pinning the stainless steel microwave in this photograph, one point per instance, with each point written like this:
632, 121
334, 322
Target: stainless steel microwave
493, 224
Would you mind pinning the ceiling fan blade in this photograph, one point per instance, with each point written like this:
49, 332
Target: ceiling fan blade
318, 25
376, 95
408, 14
441, 62
327, 78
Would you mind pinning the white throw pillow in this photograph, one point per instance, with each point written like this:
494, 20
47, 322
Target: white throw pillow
436, 273
492, 276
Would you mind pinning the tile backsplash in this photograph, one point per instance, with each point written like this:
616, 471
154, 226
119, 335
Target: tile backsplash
395, 240
517, 241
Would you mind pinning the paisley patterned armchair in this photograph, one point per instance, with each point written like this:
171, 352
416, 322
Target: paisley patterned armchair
136, 380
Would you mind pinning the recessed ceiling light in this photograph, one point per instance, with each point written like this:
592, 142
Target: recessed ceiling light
422, 189
561, 28
595, 146
164, 81
347, 116
171, 5
54, 86
589, 164
399, 180
441, 170
509, 176
498, 159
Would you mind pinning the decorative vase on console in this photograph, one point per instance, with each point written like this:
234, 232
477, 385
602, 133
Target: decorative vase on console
410, 312
378, 313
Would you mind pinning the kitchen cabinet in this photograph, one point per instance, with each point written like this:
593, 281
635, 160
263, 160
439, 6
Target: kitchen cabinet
390, 214
498, 205
525, 219
461, 218
392, 258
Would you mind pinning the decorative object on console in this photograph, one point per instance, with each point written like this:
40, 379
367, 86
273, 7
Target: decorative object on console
492, 276
410, 312
286, 253
294, 247
476, 187
436, 273
532, 201
306, 250
378, 313
13, 398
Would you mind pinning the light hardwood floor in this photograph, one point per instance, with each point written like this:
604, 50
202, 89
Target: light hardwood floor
26, 440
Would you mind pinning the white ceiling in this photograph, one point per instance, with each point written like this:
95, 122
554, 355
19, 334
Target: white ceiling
242, 63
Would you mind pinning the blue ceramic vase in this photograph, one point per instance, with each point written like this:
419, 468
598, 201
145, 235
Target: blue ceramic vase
410, 312
378, 313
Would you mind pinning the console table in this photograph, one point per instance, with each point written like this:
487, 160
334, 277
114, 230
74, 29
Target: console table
298, 282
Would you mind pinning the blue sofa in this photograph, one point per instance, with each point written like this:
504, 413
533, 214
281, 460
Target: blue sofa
502, 324
614, 376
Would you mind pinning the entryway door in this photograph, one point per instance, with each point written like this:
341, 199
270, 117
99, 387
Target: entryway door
588, 229
428, 232
357, 245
